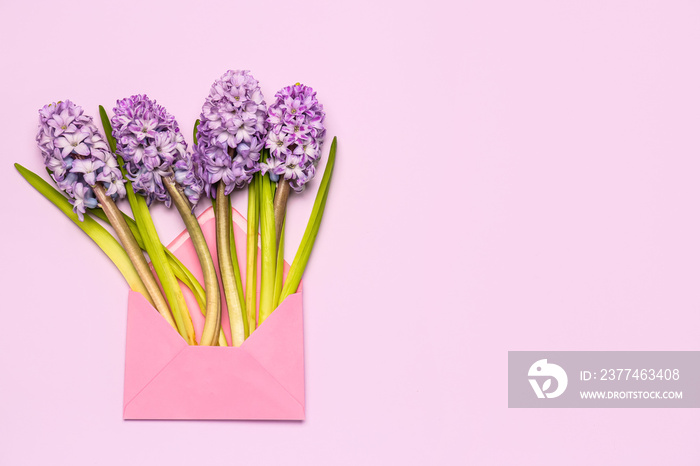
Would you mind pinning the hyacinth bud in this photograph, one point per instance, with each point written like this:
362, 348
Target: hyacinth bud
149, 140
295, 136
77, 156
231, 132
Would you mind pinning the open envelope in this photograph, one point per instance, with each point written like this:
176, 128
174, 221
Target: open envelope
165, 378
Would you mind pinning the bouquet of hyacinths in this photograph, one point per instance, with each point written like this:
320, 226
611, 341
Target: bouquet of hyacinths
239, 143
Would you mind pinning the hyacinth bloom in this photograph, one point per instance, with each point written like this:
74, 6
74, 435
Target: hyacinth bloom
295, 137
231, 132
83, 166
160, 168
152, 146
77, 156
230, 137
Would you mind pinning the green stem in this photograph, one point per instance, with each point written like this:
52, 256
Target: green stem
181, 272
279, 270
156, 252
109, 245
194, 131
252, 254
212, 321
133, 251
280, 205
237, 276
269, 250
307, 243
222, 211
185, 276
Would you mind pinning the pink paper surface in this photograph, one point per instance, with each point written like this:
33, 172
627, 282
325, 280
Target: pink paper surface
167, 379
164, 378
511, 175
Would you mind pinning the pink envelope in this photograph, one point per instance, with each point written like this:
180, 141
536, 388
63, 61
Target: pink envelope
164, 378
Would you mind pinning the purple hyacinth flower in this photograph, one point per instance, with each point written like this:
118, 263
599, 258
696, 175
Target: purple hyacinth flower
295, 137
152, 146
231, 132
77, 156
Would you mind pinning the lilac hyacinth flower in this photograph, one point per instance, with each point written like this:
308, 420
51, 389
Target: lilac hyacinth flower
295, 137
152, 146
77, 156
231, 132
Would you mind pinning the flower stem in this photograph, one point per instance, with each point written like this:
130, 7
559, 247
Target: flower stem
252, 254
279, 270
222, 211
237, 277
185, 276
307, 243
190, 281
212, 321
269, 250
280, 205
156, 252
181, 272
179, 269
134, 252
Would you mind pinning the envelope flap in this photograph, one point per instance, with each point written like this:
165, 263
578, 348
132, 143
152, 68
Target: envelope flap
213, 383
151, 343
278, 345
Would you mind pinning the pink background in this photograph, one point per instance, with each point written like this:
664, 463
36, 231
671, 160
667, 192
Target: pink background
510, 176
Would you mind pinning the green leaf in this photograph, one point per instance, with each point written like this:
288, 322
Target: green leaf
307, 242
252, 255
93, 229
268, 249
108, 129
99, 213
237, 276
194, 136
156, 252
